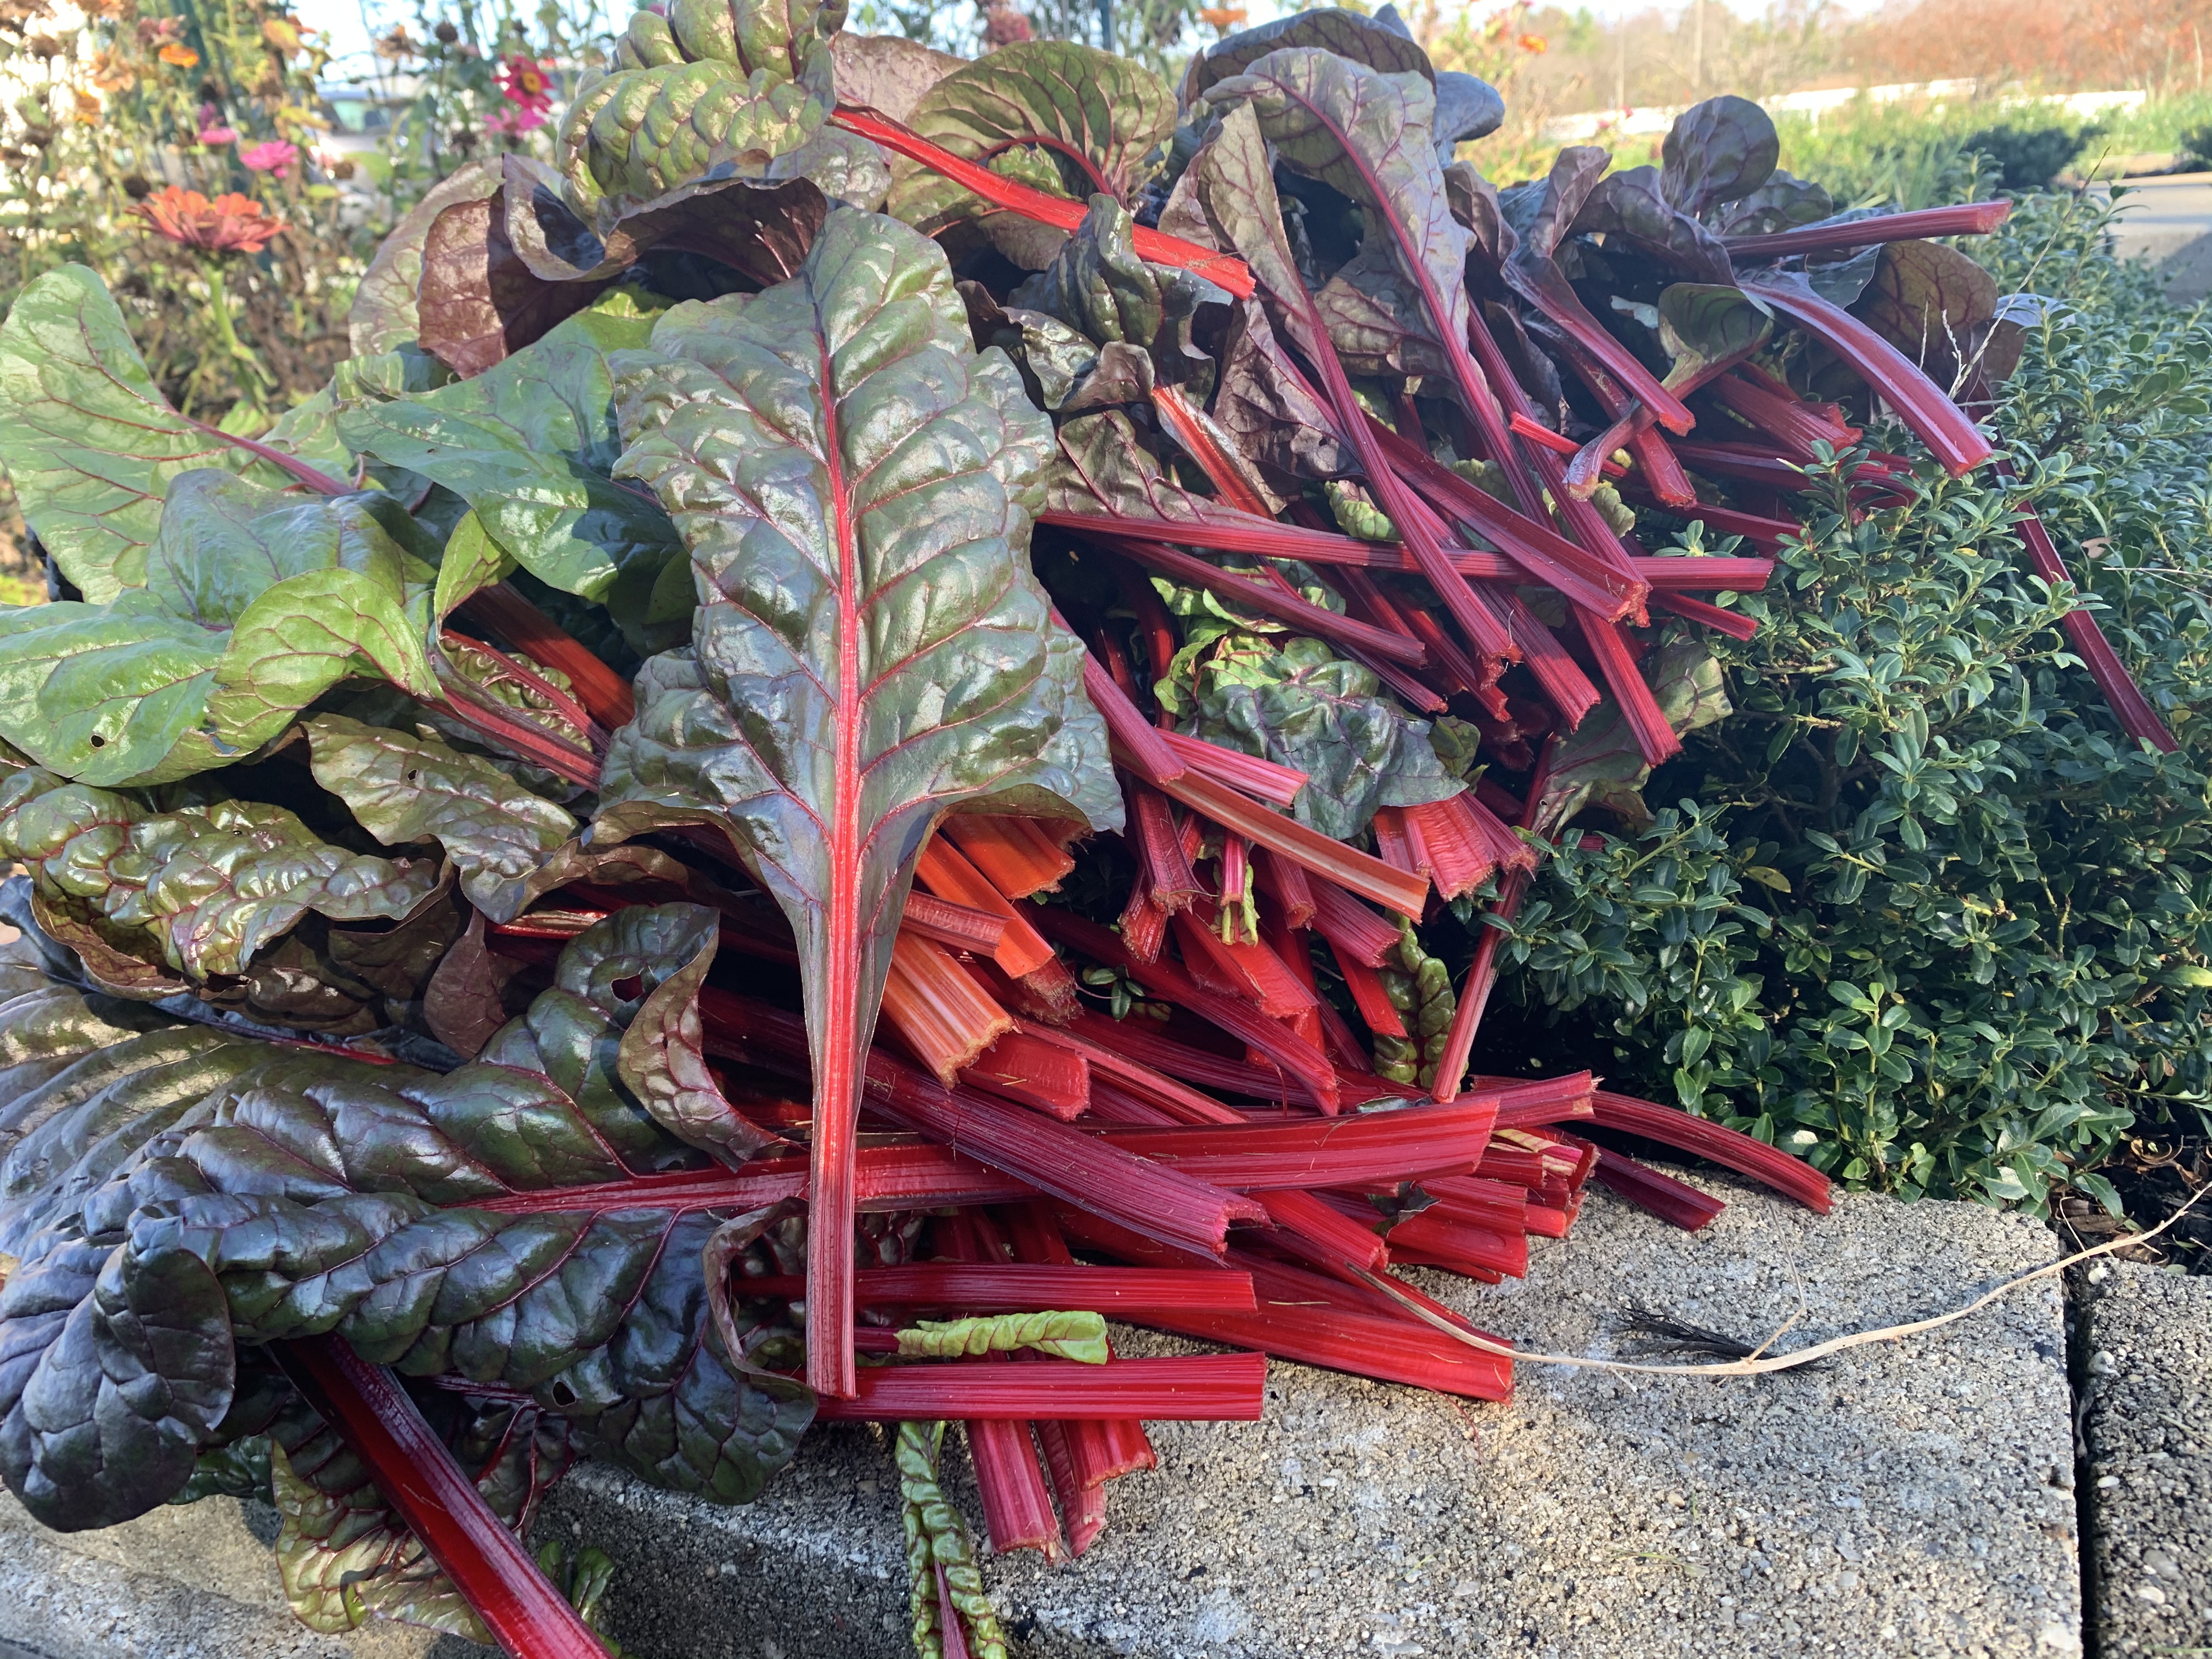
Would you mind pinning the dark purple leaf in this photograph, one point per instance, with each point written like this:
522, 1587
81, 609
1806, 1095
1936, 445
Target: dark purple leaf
1930, 302
888, 73
1721, 151
1348, 34
1629, 211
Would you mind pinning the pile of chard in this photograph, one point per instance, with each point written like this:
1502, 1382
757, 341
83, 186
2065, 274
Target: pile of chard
848, 745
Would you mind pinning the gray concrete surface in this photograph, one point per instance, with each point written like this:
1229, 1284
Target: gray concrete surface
2147, 1436
2169, 221
1911, 1500
196, 1582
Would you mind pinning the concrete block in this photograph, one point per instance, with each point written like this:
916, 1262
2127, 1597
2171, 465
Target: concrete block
196, 1582
2146, 1430
1913, 1499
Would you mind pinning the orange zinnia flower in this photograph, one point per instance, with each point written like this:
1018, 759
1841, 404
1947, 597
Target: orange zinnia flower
229, 224
182, 57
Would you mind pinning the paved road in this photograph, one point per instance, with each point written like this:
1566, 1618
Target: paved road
2170, 220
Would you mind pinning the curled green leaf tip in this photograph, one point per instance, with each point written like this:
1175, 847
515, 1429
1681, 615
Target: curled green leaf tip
1065, 1335
936, 1537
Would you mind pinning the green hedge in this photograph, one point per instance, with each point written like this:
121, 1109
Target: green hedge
1921, 913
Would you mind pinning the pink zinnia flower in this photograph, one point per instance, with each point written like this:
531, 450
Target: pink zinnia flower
275, 156
214, 137
523, 118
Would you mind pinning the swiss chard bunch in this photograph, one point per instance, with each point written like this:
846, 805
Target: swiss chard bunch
884, 674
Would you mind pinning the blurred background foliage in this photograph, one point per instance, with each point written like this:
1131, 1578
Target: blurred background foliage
106, 105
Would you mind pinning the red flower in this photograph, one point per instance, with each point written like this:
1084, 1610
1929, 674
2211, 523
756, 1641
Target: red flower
228, 224
527, 84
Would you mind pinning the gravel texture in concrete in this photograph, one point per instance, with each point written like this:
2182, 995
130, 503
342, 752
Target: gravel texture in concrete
1911, 1500
2147, 1431
196, 1582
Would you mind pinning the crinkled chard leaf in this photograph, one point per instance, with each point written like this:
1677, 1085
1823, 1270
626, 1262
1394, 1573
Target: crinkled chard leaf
1096, 284
1599, 763
855, 487
1054, 358
887, 72
1721, 151
1062, 117
89, 443
1348, 34
254, 603
345, 1558
1268, 410
405, 789
139, 1372
1103, 463
1303, 706
211, 886
318, 1194
705, 89
1138, 316
384, 316
529, 444
1375, 316
642, 968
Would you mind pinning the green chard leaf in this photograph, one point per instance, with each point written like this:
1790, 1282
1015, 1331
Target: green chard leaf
1302, 706
253, 604
404, 789
709, 89
344, 1556
171, 1205
529, 444
89, 443
1059, 115
1598, 763
856, 487
1702, 325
